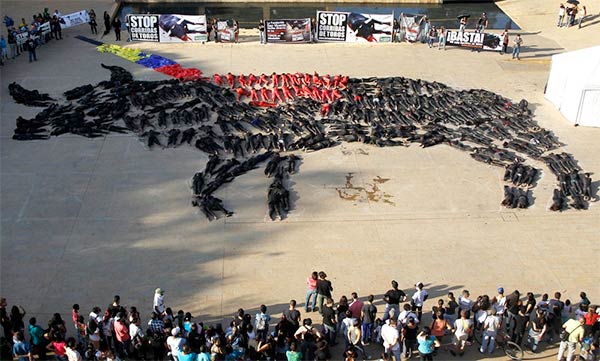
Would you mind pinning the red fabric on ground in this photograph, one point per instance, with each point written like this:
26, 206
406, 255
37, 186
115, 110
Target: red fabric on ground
176, 71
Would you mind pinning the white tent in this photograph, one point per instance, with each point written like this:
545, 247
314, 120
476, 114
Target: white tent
574, 85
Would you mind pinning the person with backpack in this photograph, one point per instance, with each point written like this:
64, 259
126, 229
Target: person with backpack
261, 323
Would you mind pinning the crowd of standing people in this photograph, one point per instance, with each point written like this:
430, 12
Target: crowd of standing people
571, 14
400, 327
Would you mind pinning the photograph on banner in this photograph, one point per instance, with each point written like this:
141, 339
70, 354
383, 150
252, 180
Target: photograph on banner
373, 28
474, 40
177, 28
74, 19
410, 27
226, 31
143, 27
331, 25
288, 30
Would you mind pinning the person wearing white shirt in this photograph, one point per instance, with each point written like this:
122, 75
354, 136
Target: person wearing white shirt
490, 330
464, 302
391, 339
500, 304
405, 315
159, 301
418, 299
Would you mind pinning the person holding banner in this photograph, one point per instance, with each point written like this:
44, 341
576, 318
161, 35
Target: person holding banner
56, 28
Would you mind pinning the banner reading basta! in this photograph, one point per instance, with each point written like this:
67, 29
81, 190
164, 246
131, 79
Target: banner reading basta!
288, 31
474, 40
354, 27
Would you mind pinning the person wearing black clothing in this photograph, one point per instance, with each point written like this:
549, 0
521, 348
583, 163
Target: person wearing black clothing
324, 289
521, 322
117, 27
261, 31
329, 321
512, 307
196, 338
292, 316
393, 298
56, 28
106, 23
30, 45
93, 23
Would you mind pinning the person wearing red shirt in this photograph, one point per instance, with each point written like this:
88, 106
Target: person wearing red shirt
242, 80
264, 94
288, 95
218, 80
251, 79
274, 80
230, 79
591, 317
122, 336
253, 95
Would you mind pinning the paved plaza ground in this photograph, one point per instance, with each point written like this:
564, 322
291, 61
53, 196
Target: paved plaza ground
82, 219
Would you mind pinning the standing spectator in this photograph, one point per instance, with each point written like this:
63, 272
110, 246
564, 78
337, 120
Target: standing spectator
409, 336
3, 50
122, 337
215, 26
12, 44
92, 328
22, 349
329, 321
450, 310
368, 314
209, 29
17, 312
395, 30
425, 24
263, 40
418, 299
75, 315
37, 339
23, 24
236, 31
71, 350
462, 24
433, 35
439, 326
393, 298
159, 302
106, 23
572, 15
116, 24
293, 317
576, 332
482, 23
391, 339
31, 45
261, 323
354, 337
175, 343
311, 282
505, 39
355, 306
324, 289
582, 15
561, 15
442, 38
427, 344
517, 46
58, 346
93, 23
519, 325
313, 30
56, 28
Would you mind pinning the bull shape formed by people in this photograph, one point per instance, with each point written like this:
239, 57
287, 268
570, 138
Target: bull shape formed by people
318, 112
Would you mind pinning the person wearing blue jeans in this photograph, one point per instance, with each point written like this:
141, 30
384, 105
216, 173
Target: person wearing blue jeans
367, 315
517, 47
311, 292
30, 44
537, 331
329, 321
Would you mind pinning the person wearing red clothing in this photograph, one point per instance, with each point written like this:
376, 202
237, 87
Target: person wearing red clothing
253, 95
325, 94
285, 79
240, 93
274, 80
326, 80
297, 90
264, 94
306, 90
335, 94
58, 346
123, 340
591, 317
275, 95
344, 81
287, 93
316, 94
336, 80
230, 79
325, 108
218, 80
296, 79
263, 80
316, 80
307, 79
242, 80
251, 79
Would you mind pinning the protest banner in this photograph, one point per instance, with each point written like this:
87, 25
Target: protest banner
410, 27
74, 19
354, 27
143, 27
226, 31
474, 40
288, 31
176, 28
